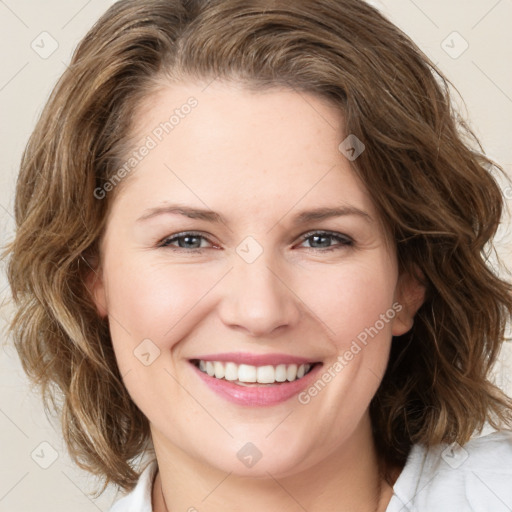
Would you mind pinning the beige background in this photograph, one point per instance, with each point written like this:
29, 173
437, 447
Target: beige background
482, 74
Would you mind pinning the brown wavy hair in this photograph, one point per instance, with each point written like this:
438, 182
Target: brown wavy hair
423, 166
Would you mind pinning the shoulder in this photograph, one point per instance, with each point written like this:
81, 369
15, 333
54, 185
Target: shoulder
474, 477
139, 499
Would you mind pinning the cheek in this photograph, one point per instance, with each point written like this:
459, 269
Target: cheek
156, 302
351, 300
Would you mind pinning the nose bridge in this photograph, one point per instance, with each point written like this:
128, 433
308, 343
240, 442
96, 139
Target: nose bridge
257, 297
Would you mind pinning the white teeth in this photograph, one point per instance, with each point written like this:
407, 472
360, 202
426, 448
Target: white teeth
280, 372
219, 370
246, 373
291, 372
231, 371
266, 374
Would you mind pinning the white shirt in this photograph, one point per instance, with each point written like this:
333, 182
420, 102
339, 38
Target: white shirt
445, 478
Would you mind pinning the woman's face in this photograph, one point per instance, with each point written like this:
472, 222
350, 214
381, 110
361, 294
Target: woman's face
259, 286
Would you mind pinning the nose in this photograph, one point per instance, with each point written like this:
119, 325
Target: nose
258, 299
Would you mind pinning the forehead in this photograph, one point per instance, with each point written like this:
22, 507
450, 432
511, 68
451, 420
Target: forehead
228, 147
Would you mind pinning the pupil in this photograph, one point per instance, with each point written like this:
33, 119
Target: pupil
316, 238
187, 240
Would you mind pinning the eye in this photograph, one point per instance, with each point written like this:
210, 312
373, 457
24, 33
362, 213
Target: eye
187, 240
318, 240
322, 239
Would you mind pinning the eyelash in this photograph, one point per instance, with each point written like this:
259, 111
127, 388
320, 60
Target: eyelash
344, 241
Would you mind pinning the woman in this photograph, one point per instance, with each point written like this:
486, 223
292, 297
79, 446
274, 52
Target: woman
250, 242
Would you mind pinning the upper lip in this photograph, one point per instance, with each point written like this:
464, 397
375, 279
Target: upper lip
255, 359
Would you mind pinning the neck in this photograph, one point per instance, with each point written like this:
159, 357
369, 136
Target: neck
351, 478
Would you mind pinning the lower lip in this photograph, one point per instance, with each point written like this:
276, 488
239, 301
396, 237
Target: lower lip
257, 395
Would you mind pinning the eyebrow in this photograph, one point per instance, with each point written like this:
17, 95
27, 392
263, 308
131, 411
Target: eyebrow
316, 214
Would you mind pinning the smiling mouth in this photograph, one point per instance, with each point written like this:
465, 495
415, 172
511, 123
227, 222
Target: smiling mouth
249, 375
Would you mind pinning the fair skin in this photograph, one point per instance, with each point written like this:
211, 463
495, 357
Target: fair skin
258, 159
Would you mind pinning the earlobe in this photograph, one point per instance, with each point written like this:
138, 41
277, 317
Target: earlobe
410, 295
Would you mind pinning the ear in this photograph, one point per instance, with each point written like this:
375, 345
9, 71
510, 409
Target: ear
410, 294
95, 284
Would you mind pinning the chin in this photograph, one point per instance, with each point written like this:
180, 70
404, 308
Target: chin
260, 458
